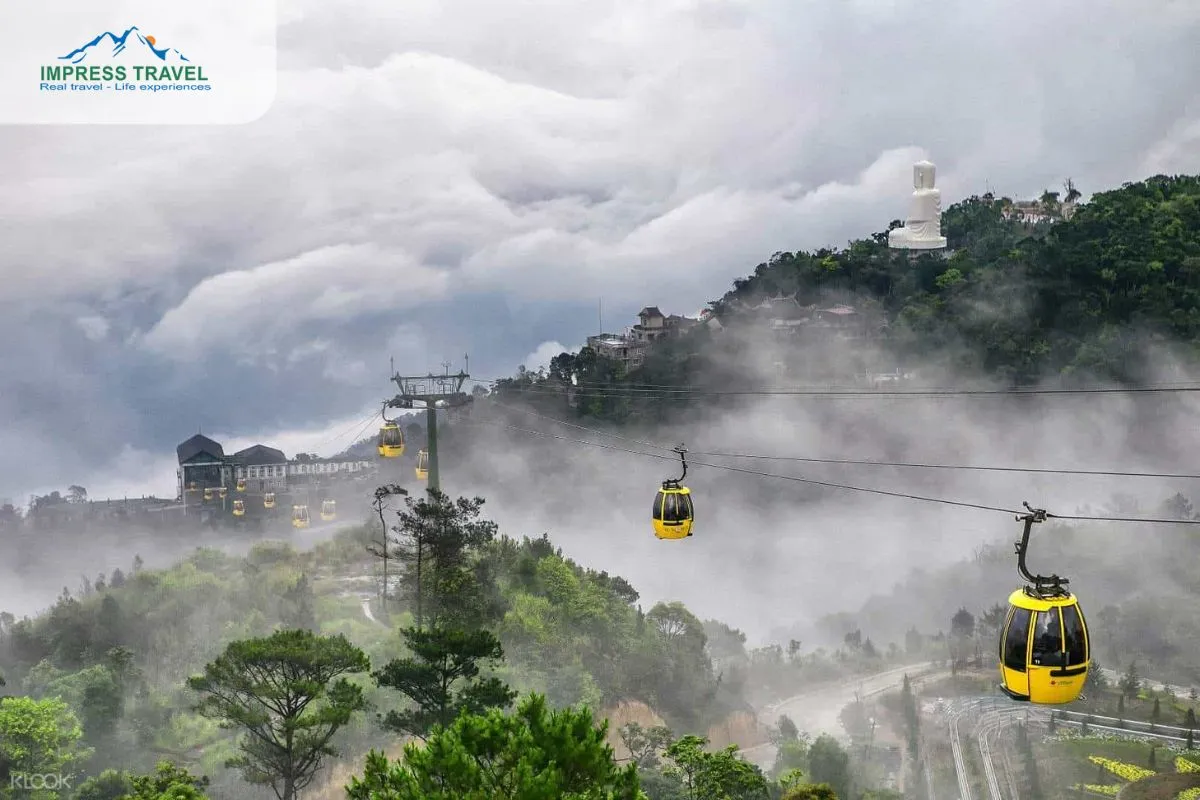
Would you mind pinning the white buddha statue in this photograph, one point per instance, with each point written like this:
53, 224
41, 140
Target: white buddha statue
923, 228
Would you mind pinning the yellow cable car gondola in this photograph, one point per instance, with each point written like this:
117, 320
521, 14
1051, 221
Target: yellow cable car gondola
222, 491
241, 484
673, 513
208, 494
269, 500
329, 511
422, 465
391, 438
1044, 649
239, 508
300, 517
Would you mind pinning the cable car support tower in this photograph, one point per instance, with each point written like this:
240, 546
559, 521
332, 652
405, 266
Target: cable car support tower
435, 391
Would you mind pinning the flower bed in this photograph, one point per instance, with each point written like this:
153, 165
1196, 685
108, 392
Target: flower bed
1127, 771
1095, 787
1165, 786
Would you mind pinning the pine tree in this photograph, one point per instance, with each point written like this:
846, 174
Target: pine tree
1131, 683
911, 716
297, 606
1025, 749
1121, 705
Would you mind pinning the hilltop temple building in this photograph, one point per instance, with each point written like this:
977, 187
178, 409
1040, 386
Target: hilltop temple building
923, 229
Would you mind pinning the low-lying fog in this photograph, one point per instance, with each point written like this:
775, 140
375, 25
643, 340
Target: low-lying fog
767, 553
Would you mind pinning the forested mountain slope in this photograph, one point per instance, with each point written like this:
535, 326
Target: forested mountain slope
1066, 299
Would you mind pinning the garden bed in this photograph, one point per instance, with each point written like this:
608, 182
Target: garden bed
1166, 786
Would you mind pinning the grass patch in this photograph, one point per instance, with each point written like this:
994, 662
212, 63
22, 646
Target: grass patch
1160, 787
1065, 762
964, 683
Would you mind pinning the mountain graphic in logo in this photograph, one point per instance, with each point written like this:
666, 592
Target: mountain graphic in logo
130, 46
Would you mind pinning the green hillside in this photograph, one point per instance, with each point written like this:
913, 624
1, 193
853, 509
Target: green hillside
104, 672
1078, 298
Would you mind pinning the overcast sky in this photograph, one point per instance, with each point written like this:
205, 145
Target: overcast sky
440, 177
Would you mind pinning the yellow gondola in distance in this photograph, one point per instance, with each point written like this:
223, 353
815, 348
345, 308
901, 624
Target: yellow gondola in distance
241, 484
328, 510
391, 440
300, 517
1045, 652
673, 513
222, 491
422, 465
239, 508
208, 494
269, 500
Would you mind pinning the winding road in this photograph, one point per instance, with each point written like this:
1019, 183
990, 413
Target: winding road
819, 711
990, 715
991, 723
366, 607
1114, 678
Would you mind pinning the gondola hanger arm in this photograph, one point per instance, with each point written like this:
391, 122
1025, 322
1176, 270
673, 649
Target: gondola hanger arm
1040, 582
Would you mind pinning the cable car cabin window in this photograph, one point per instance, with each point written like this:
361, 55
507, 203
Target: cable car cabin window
658, 506
1047, 636
1017, 639
685, 506
1075, 636
671, 508
675, 507
1007, 619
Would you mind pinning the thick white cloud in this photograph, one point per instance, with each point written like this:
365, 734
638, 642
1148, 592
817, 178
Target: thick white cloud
263, 305
427, 158
326, 440
93, 327
540, 358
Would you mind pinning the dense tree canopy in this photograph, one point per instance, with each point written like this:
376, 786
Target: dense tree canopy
533, 754
1076, 296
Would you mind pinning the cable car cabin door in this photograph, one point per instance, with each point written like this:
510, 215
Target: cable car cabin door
1014, 653
1057, 673
1035, 664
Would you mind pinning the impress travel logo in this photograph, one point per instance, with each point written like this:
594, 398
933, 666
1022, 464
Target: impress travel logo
132, 61
138, 62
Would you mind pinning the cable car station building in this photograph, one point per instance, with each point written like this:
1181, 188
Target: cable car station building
203, 464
